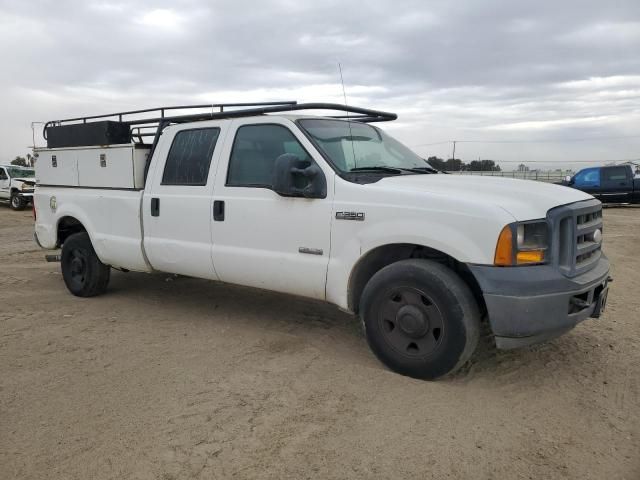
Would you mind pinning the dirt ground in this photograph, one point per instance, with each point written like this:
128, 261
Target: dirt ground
167, 378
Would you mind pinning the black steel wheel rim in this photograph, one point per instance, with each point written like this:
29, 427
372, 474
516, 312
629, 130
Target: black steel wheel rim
77, 263
410, 322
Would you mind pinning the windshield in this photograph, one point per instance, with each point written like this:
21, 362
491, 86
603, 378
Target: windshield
15, 172
355, 146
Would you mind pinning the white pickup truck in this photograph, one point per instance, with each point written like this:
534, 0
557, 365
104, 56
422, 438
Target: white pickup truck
16, 185
325, 207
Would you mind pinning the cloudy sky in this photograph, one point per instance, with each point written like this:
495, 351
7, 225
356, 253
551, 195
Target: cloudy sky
545, 82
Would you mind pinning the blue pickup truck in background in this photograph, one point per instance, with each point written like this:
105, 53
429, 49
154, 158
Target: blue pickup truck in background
612, 184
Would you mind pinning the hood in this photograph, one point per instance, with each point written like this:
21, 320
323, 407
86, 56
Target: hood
28, 181
523, 199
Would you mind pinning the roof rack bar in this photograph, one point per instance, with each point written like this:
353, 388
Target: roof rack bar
175, 107
259, 108
371, 115
162, 111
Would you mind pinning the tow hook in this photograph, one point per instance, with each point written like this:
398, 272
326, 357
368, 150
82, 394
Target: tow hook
578, 302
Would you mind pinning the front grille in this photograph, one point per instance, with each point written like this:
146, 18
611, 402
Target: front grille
587, 249
575, 244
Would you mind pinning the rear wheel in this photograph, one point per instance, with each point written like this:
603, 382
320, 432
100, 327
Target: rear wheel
83, 272
420, 318
17, 202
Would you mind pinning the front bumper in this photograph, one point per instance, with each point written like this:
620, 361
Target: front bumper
531, 304
28, 196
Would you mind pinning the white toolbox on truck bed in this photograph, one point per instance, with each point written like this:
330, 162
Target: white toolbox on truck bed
108, 166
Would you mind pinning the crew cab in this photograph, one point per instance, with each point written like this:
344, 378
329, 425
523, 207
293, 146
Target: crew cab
610, 184
325, 207
16, 185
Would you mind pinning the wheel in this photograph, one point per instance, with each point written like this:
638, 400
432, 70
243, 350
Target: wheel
17, 202
83, 272
420, 318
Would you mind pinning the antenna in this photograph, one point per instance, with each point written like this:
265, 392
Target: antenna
344, 95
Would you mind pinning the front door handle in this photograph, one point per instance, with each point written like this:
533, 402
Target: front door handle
155, 207
218, 210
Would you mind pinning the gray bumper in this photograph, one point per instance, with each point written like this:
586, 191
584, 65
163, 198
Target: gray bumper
531, 304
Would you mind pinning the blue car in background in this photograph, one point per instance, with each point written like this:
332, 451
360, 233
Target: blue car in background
612, 184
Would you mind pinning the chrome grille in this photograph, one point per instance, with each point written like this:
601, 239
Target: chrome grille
575, 246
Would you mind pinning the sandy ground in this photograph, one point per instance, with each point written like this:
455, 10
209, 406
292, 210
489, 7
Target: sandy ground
183, 378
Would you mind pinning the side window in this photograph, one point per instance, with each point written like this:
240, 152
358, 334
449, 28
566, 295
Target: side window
589, 177
254, 153
3, 174
614, 174
190, 157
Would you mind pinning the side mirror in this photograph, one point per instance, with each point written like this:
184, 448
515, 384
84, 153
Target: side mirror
293, 177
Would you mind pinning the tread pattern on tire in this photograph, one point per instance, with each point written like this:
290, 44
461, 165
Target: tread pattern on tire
98, 273
447, 280
21, 202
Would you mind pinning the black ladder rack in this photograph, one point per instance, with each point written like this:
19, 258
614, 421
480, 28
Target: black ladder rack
152, 125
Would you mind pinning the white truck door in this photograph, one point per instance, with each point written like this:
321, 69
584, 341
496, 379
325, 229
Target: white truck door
260, 238
4, 183
177, 205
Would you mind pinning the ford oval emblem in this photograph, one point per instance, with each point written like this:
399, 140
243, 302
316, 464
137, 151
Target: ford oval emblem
597, 236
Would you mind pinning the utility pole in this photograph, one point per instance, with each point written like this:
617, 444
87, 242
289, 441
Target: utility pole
454, 150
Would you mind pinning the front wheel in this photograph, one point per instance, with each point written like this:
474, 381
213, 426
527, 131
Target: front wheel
83, 272
17, 202
420, 318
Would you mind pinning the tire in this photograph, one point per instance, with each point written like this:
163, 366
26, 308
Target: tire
17, 202
420, 318
83, 272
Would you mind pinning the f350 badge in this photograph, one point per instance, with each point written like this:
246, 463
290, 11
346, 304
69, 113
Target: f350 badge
357, 216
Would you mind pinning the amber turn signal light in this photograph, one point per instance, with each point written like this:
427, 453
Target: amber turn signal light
530, 256
504, 248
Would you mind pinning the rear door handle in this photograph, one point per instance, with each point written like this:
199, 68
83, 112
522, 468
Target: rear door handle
218, 210
155, 207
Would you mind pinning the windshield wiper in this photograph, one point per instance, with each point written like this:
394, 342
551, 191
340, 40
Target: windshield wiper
420, 170
377, 169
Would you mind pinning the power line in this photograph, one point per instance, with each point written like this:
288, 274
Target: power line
565, 161
586, 139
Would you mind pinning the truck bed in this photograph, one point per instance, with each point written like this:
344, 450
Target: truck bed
111, 216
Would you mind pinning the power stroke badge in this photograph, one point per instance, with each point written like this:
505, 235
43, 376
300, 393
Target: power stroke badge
357, 216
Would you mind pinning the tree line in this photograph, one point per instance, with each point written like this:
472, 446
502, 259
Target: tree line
23, 161
457, 165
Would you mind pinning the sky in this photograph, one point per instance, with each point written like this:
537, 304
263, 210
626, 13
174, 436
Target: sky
546, 83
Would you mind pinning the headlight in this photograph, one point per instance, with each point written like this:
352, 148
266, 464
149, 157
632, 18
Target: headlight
522, 243
24, 186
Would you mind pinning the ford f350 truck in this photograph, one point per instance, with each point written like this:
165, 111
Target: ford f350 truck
324, 207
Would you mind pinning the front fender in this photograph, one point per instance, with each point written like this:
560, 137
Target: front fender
465, 238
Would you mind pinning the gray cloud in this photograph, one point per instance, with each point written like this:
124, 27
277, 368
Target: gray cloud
548, 72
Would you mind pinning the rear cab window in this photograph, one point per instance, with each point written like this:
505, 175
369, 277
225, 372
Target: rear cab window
189, 157
614, 174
